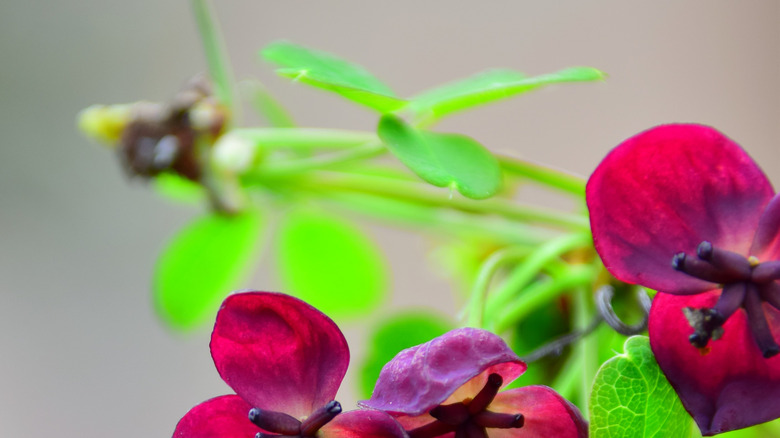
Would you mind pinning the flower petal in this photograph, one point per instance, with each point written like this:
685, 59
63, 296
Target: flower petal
729, 385
362, 424
220, 417
665, 191
546, 414
278, 353
422, 377
766, 242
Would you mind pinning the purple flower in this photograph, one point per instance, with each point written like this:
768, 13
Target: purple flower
449, 387
684, 210
285, 360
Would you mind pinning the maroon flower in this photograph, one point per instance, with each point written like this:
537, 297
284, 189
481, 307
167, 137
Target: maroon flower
449, 387
285, 360
684, 210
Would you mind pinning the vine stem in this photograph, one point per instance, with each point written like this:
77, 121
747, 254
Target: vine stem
587, 349
545, 175
216, 55
476, 306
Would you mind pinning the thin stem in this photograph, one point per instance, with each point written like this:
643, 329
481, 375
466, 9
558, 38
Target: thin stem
216, 55
568, 378
524, 274
324, 161
544, 175
268, 106
587, 349
479, 292
541, 293
419, 193
305, 138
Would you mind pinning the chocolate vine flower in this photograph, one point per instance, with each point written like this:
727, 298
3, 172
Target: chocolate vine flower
285, 360
684, 210
449, 387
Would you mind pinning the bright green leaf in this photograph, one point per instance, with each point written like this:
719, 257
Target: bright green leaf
490, 86
443, 159
202, 264
327, 262
326, 71
178, 188
394, 334
631, 398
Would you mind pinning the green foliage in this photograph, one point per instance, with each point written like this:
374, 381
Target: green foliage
327, 262
178, 188
489, 86
201, 264
631, 398
394, 334
443, 159
326, 71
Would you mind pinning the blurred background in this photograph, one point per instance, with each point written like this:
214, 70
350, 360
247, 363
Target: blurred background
82, 353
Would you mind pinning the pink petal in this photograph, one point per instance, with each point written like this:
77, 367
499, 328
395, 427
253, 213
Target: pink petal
278, 353
729, 387
362, 424
220, 417
766, 242
546, 413
422, 377
665, 191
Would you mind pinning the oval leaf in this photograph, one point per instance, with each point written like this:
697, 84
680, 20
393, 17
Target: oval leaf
326, 71
330, 264
394, 334
490, 86
631, 398
443, 159
202, 264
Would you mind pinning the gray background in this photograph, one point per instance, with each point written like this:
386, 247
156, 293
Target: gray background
82, 354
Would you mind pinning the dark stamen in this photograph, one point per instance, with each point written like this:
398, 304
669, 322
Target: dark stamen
730, 300
770, 293
319, 418
486, 395
766, 272
471, 430
499, 421
453, 414
758, 323
276, 422
430, 430
700, 269
730, 263
706, 325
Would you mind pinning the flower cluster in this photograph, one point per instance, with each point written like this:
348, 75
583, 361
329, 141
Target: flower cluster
285, 360
682, 209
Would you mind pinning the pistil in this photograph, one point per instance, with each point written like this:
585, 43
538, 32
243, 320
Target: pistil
282, 425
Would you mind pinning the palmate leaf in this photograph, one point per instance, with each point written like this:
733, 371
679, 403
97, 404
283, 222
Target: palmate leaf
202, 264
329, 263
631, 398
443, 159
326, 71
489, 86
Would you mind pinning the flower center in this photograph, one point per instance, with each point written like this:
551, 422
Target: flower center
746, 283
469, 419
287, 426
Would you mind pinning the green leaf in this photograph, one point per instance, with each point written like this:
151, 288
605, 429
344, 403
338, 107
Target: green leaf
178, 188
201, 265
327, 262
326, 71
631, 398
394, 334
443, 159
489, 86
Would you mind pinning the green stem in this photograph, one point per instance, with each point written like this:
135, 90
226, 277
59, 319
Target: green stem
586, 349
216, 55
566, 381
323, 161
419, 193
305, 138
479, 292
524, 274
544, 175
541, 293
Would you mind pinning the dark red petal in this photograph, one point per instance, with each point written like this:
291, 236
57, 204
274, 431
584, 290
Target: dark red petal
220, 417
546, 414
278, 352
666, 190
766, 243
727, 386
362, 424
422, 377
